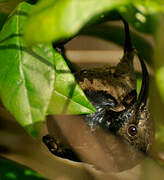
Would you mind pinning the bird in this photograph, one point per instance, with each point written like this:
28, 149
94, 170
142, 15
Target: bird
119, 110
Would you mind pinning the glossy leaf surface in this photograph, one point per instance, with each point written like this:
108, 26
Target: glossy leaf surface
26, 75
27, 78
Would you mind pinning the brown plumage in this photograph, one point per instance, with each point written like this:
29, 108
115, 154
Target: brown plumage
127, 125
117, 81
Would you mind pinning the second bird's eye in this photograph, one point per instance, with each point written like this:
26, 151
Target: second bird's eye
132, 130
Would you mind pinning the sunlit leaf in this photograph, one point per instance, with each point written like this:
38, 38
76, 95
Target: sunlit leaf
55, 20
67, 98
26, 75
27, 78
58, 20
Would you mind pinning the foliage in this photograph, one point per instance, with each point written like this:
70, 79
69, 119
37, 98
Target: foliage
28, 76
35, 79
60, 20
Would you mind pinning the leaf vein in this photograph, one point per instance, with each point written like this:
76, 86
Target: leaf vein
21, 67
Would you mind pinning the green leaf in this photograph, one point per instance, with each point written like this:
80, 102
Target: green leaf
116, 34
67, 98
139, 82
26, 75
10, 170
55, 20
61, 20
27, 78
144, 16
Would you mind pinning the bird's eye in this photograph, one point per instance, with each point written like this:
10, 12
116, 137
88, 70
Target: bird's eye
132, 130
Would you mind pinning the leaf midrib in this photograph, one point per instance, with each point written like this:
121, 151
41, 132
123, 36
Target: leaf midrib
21, 66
